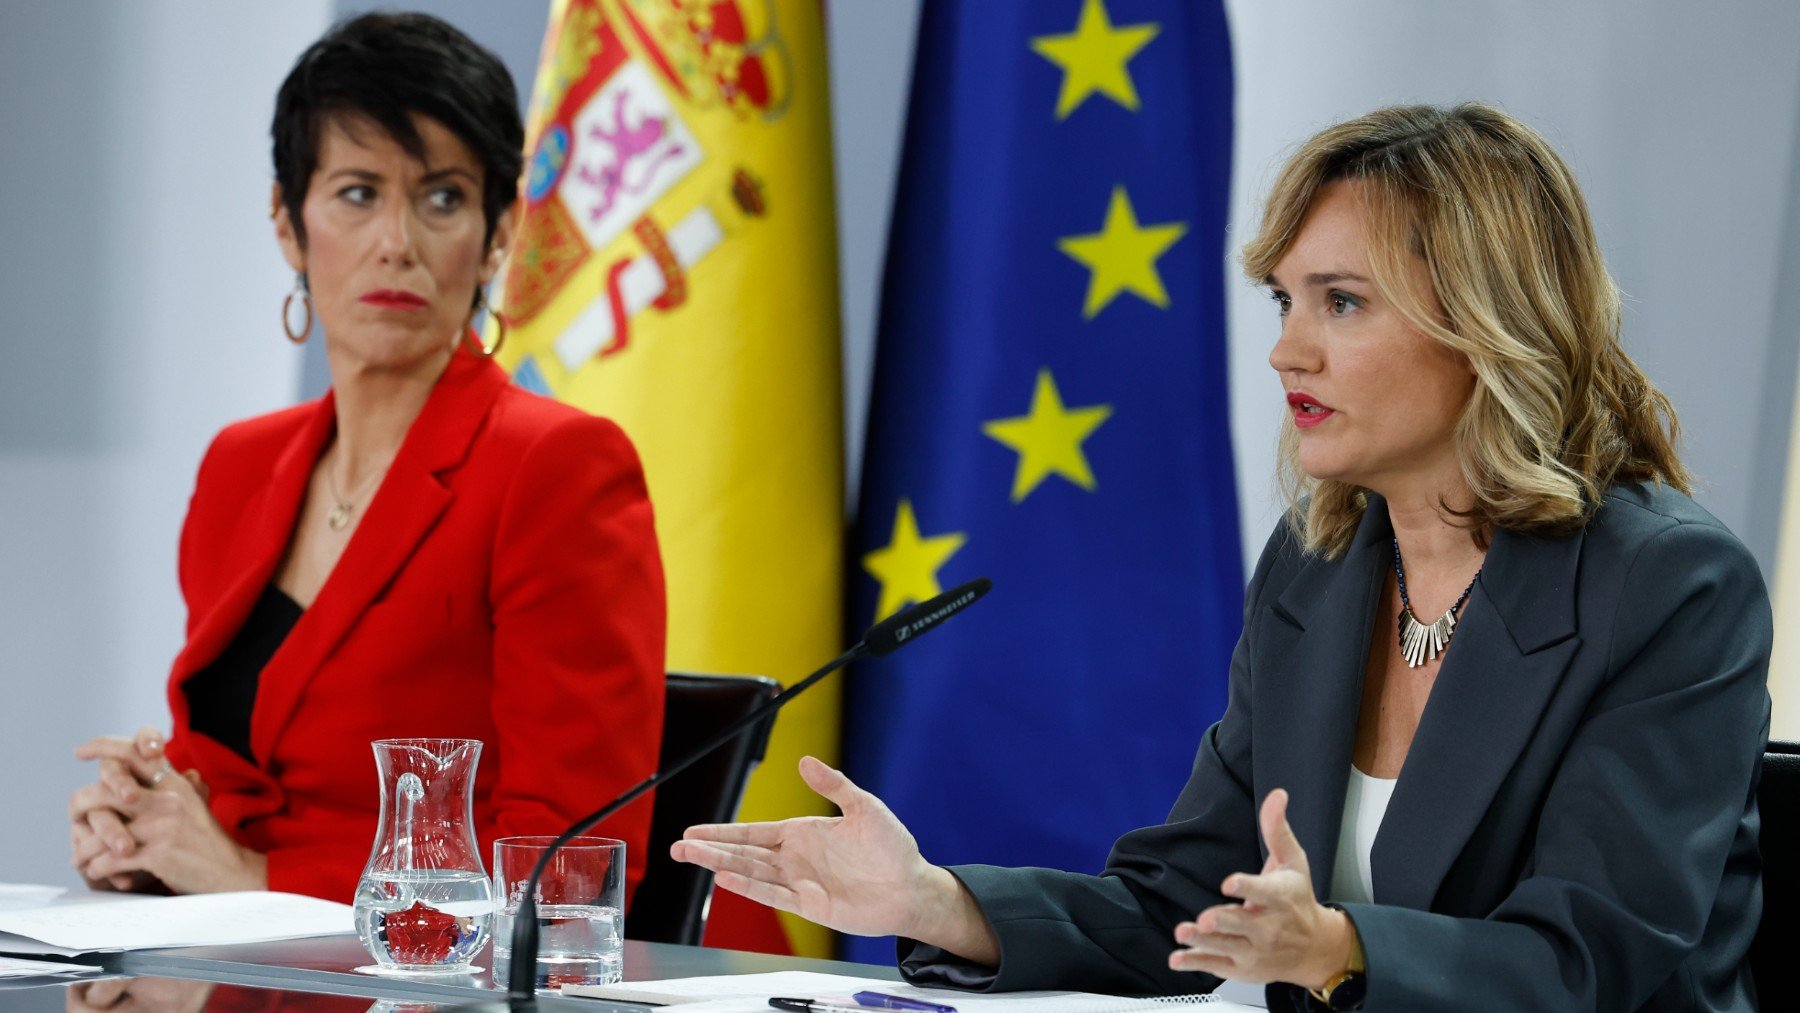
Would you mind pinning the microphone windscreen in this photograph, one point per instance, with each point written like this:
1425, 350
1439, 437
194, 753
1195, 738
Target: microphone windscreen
909, 623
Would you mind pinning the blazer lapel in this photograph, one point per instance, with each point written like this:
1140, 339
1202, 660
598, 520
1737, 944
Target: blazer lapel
259, 541
1515, 638
1308, 686
406, 505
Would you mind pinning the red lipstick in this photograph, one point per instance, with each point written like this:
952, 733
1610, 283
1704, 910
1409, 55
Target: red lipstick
1308, 410
394, 299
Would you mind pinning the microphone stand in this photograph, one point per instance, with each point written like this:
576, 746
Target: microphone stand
521, 978
881, 639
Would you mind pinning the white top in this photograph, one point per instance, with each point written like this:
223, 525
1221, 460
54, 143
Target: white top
1365, 803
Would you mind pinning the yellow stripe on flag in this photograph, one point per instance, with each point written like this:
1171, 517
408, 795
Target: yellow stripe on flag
675, 272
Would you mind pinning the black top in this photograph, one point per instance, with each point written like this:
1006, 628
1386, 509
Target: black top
221, 696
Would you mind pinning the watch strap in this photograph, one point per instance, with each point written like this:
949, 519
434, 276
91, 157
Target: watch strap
1334, 995
1344, 992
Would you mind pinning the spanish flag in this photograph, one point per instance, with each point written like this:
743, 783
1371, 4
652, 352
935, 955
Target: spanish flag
675, 271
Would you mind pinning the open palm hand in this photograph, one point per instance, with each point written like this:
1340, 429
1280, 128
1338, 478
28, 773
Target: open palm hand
860, 872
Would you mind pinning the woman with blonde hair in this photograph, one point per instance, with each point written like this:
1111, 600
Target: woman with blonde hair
1497, 712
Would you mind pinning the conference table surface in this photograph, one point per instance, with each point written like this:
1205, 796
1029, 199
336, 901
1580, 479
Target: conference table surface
327, 965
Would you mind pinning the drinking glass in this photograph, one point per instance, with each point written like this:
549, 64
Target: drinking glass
580, 909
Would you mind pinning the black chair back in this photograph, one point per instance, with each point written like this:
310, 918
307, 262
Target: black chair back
672, 899
1778, 802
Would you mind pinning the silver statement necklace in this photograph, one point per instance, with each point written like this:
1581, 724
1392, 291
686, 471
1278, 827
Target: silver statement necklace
1422, 642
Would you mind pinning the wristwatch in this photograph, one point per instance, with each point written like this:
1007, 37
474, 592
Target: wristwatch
1346, 991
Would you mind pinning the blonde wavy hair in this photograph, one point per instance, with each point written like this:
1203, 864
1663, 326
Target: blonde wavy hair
1559, 412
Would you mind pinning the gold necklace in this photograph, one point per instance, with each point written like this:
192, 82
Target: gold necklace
346, 505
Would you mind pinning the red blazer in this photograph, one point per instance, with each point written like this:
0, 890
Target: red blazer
503, 585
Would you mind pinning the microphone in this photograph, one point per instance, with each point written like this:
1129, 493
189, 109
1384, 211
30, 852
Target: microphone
886, 636
883, 638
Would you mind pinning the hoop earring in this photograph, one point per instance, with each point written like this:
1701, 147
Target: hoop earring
287, 311
482, 303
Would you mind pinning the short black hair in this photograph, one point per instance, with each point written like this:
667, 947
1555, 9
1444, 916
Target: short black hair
387, 66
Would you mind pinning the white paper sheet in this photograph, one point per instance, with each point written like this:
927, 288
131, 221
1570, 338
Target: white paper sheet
23, 896
10, 943
13, 967
750, 993
199, 920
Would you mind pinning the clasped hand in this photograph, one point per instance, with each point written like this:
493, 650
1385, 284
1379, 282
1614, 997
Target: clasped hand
1280, 932
152, 995
142, 826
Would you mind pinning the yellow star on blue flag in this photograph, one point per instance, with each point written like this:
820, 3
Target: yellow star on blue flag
1122, 256
907, 566
1093, 58
1049, 438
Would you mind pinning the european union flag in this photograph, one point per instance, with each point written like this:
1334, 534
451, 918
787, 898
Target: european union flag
1050, 410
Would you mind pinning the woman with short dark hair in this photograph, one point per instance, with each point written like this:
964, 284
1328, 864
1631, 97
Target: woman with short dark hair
426, 551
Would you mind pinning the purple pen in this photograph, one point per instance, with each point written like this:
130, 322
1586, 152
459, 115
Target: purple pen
882, 1001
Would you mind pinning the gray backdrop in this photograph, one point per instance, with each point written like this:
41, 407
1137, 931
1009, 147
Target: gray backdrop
141, 283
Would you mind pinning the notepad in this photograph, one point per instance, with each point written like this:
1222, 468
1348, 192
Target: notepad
750, 993
135, 923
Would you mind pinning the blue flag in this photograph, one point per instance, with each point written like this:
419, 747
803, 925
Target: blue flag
1049, 410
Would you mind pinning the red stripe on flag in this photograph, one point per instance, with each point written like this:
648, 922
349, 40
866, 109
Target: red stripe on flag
738, 923
654, 51
609, 56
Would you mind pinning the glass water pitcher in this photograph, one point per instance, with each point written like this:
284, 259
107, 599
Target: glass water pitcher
424, 905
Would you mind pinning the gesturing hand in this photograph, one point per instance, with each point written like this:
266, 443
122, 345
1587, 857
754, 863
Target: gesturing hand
1280, 932
856, 873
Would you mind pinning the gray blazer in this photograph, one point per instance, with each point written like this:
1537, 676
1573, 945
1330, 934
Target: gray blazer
1575, 827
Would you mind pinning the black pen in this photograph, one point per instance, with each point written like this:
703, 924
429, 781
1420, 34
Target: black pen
811, 1006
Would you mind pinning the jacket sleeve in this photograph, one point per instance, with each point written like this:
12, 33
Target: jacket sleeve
579, 629
1114, 932
330, 868
1633, 840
